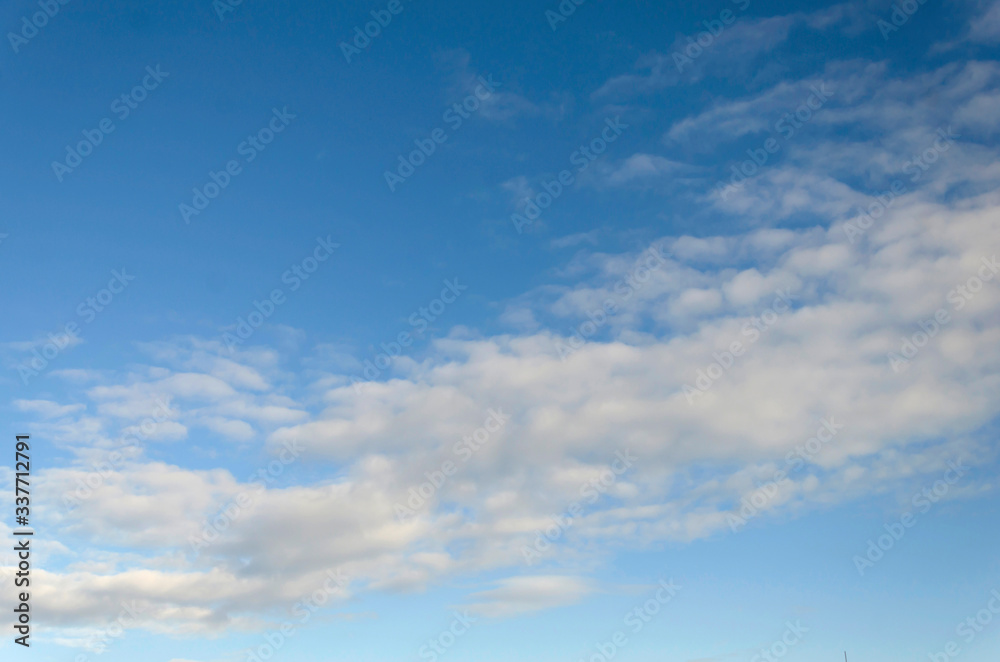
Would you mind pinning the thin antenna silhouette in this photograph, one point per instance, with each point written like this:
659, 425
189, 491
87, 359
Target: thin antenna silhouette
845, 656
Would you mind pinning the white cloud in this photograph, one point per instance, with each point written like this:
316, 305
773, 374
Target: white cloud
642, 171
503, 104
48, 409
733, 53
519, 595
985, 28
825, 357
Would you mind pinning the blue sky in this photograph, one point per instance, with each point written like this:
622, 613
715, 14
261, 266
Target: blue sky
566, 272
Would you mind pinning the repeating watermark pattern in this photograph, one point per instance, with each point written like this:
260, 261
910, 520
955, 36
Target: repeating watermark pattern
372, 29
464, 449
99, 643
915, 167
969, 629
779, 649
274, 640
753, 331
294, 276
900, 16
530, 210
440, 644
922, 162
88, 311
786, 127
420, 321
30, 27
244, 502
875, 210
582, 157
704, 40
223, 7
635, 619
122, 107
454, 117
958, 297
562, 12
45, 352
651, 260
92, 306
753, 505
923, 501
249, 149
590, 492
